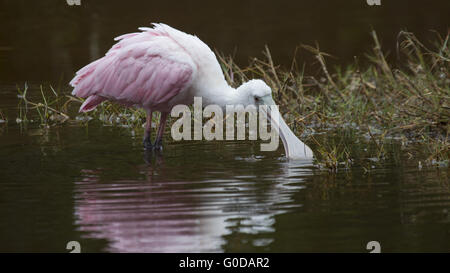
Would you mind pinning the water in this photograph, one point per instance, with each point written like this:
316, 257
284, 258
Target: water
97, 186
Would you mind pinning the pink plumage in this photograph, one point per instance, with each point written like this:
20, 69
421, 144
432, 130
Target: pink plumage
145, 69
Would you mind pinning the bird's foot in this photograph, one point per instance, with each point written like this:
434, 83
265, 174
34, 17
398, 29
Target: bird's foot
148, 144
158, 146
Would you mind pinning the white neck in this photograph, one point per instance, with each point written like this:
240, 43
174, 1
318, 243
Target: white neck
224, 95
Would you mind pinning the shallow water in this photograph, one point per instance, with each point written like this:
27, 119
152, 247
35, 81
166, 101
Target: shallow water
97, 186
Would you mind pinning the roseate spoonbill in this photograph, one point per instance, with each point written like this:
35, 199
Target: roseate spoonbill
161, 67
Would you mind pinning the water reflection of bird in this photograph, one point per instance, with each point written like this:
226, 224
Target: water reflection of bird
162, 209
161, 67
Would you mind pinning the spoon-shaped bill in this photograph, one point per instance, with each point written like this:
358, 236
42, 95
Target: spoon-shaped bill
294, 148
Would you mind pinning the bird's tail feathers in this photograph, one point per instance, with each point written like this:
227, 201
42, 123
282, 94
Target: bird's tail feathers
91, 103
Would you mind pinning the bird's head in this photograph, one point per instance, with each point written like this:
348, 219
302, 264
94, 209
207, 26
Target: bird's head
257, 92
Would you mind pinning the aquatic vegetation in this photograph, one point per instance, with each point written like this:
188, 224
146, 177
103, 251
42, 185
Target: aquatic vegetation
48, 109
55, 107
379, 101
373, 102
332, 156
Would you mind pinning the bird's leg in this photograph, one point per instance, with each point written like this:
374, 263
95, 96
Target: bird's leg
148, 131
160, 134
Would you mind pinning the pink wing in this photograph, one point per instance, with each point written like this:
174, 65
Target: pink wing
145, 69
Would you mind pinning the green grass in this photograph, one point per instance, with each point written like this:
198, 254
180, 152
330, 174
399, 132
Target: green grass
375, 102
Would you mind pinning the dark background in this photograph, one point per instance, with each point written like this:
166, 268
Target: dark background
48, 39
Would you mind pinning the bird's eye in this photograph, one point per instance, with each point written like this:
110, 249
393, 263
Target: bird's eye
257, 99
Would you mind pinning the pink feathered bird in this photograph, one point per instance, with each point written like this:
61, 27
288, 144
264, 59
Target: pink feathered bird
161, 67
